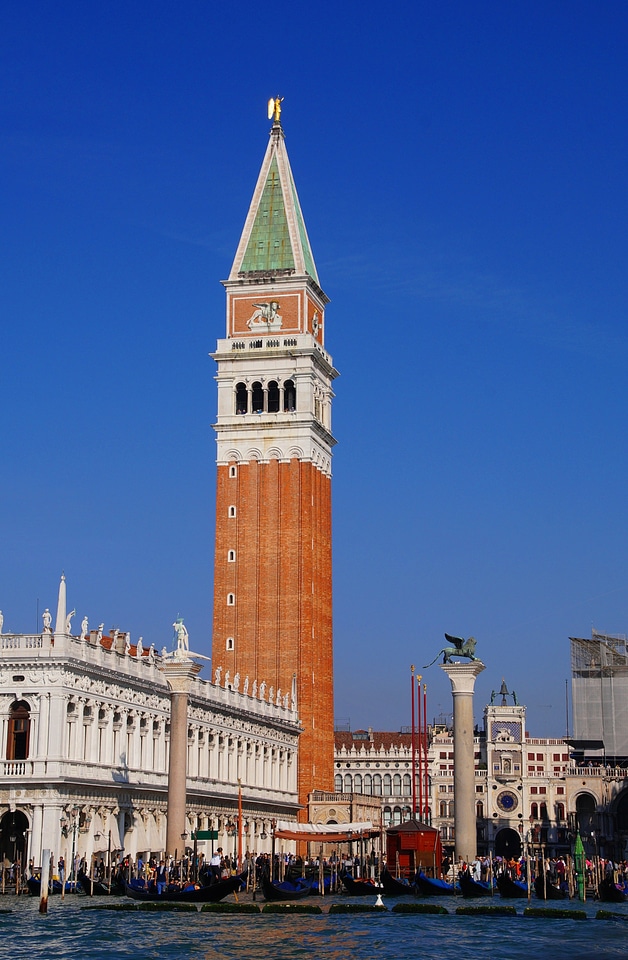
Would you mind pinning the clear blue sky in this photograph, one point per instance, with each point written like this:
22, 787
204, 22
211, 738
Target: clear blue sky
462, 170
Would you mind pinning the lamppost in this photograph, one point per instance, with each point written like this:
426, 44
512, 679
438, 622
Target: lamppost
273, 824
185, 857
66, 826
232, 831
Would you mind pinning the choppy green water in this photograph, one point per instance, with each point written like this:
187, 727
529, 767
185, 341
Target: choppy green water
69, 932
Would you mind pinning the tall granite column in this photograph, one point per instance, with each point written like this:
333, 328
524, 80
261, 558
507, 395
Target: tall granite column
462, 677
179, 672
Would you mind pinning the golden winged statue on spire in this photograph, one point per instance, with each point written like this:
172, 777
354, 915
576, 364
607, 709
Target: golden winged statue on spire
274, 108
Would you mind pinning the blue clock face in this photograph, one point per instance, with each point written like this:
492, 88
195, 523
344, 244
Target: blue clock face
507, 801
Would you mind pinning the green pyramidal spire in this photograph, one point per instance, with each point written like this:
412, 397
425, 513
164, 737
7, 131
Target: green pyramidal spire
274, 241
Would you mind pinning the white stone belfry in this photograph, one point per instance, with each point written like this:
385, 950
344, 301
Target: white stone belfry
462, 677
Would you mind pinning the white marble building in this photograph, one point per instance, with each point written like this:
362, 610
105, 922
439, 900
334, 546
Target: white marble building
84, 734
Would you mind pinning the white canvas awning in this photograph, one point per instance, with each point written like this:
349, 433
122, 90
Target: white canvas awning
325, 832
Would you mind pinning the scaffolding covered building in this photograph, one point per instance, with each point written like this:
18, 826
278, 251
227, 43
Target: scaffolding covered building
599, 692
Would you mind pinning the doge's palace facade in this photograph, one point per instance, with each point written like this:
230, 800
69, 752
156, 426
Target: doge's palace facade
84, 734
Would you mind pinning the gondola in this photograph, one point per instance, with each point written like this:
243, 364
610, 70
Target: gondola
396, 888
361, 887
34, 886
473, 888
137, 890
511, 889
97, 888
610, 892
285, 890
546, 890
432, 886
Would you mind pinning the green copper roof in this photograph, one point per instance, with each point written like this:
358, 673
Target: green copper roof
277, 239
305, 244
269, 246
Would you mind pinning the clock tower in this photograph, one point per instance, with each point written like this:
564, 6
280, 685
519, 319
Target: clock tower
273, 581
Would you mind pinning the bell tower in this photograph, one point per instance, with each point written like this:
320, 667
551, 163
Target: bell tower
273, 578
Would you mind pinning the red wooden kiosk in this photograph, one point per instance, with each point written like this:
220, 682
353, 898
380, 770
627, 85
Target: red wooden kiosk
413, 845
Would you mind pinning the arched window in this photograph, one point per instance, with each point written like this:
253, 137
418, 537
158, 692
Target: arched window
377, 784
257, 397
585, 813
242, 398
387, 785
231, 556
406, 814
387, 816
397, 785
289, 396
348, 783
273, 397
368, 784
479, 809
19, 730
397, 816
407, 785
357, 783
534, 811
443, 809
338, 783
560, 811
543, 811
229, 645
232, 511
231, 599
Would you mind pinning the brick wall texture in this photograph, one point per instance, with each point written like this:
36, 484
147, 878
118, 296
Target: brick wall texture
281, 620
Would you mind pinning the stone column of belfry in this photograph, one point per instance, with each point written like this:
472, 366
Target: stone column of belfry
462, 677
179, 673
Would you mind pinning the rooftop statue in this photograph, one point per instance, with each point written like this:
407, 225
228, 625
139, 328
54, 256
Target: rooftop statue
460, 648
182, 638
274, 108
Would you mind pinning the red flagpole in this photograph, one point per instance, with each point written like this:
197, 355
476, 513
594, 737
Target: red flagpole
427, 785
413, 747
239, 825
420, 745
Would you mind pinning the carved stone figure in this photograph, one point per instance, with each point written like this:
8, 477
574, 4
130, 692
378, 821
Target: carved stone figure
271, 695
262, 690
47, 618
84, 626
151, 652
278, 700
218, 675
227, 678
254, 691
101, 627
236, 682
182, 637
1, 621
460, 648
164, 653
68, 622
246, 685
127, 643
139, 649
266, 315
